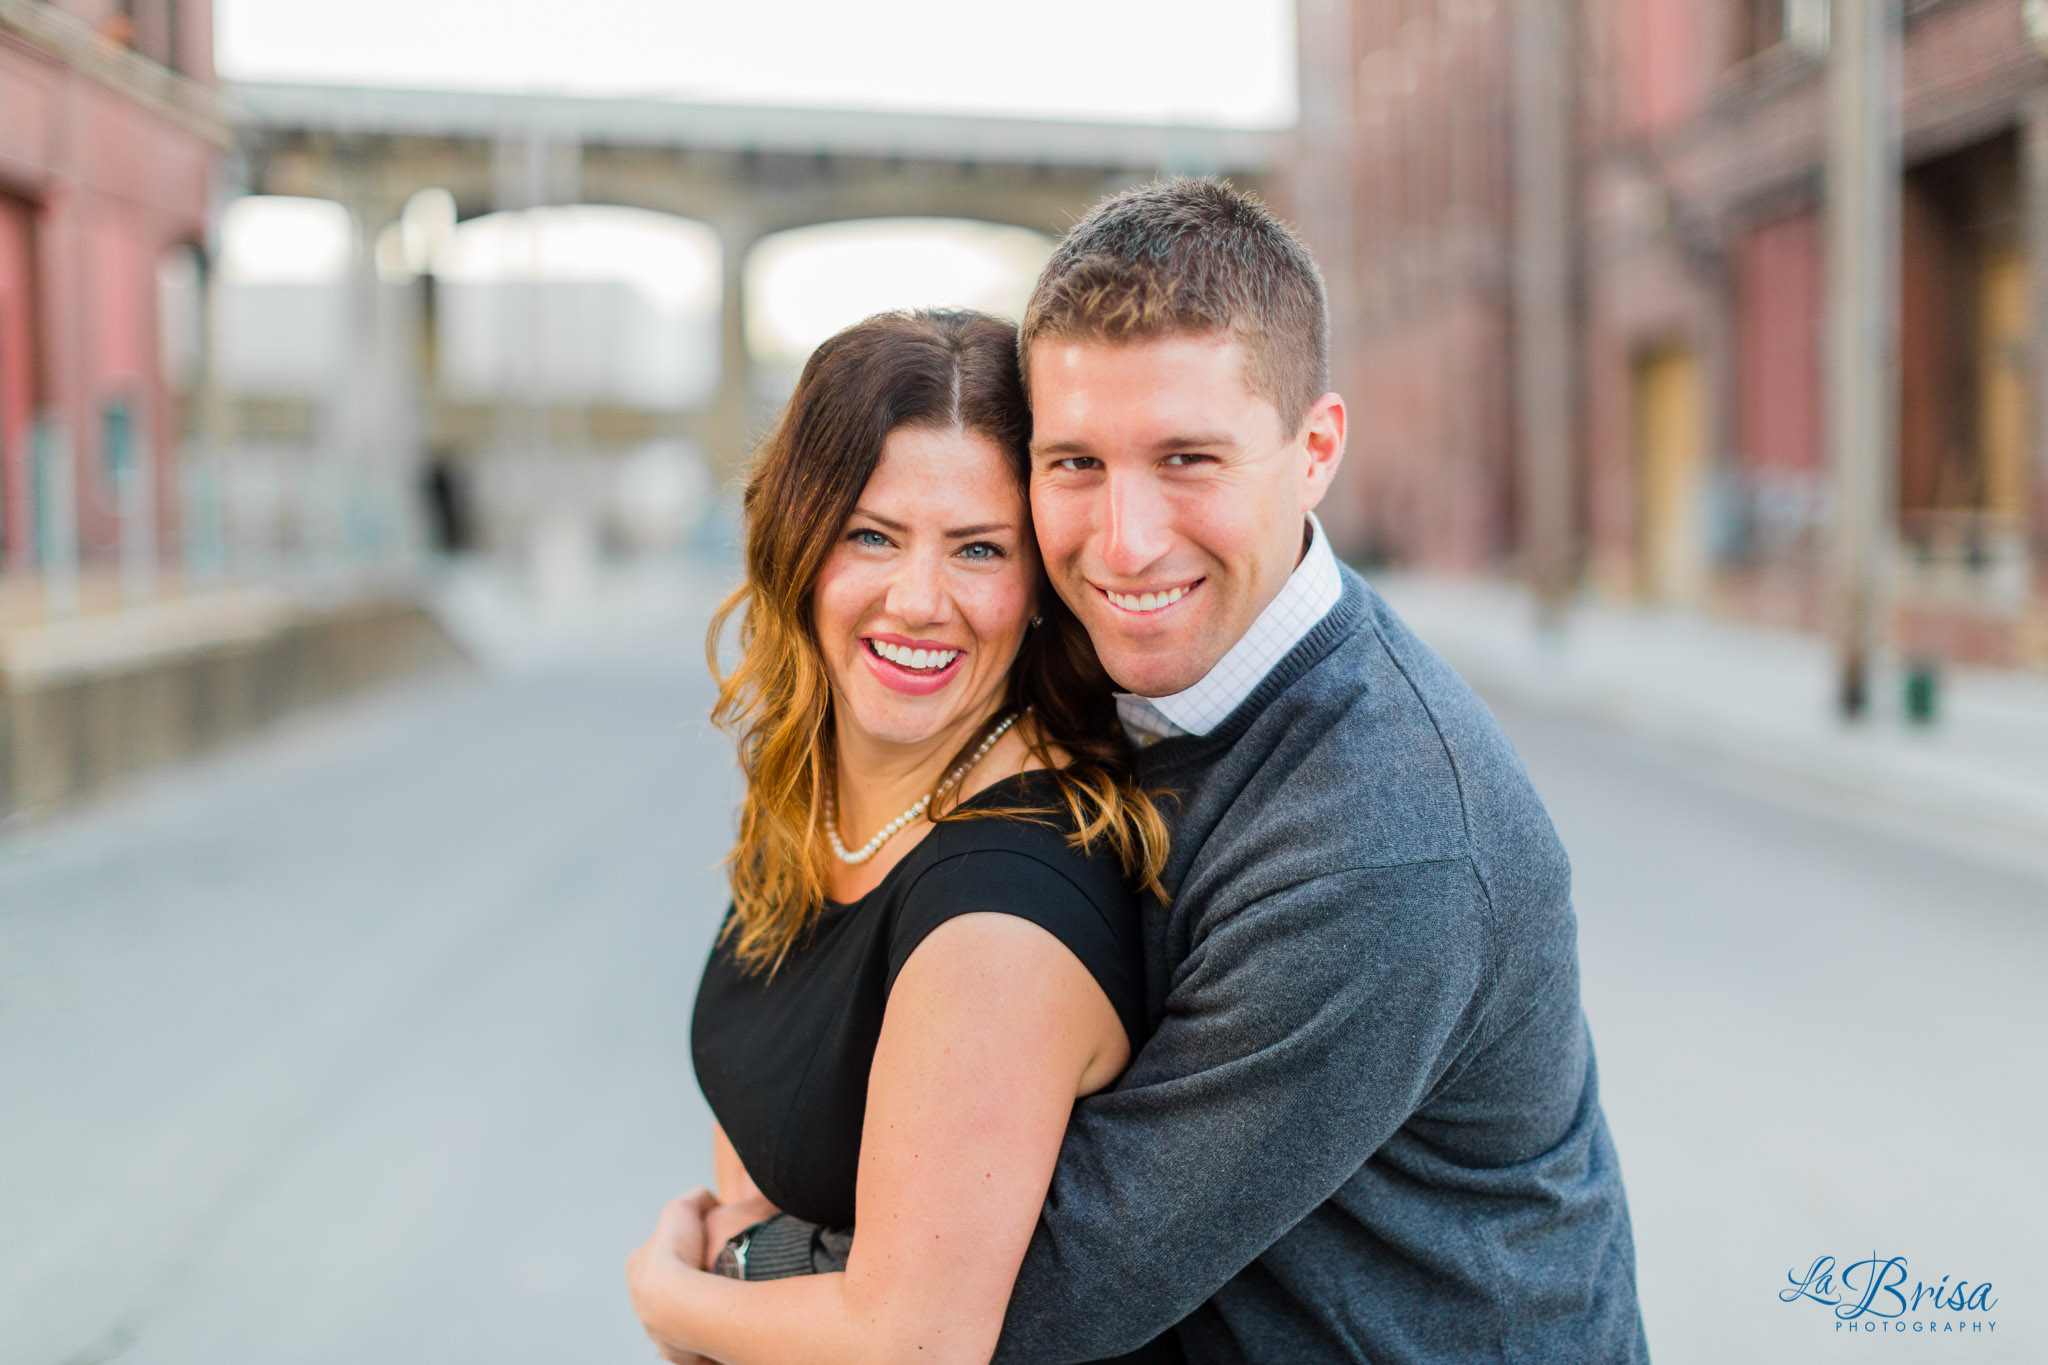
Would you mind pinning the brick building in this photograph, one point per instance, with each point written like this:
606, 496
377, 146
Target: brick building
1697, 286
110, 129
1405, 152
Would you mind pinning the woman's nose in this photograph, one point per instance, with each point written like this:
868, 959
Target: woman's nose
917, 592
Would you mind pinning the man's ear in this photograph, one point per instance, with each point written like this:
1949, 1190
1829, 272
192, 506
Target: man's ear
1322, 435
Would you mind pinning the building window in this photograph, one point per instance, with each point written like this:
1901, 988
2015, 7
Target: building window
1764, 24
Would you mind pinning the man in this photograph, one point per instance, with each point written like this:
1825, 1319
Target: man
1367, 1125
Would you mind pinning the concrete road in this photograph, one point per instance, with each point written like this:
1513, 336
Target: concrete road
1818, 1036
368, 1041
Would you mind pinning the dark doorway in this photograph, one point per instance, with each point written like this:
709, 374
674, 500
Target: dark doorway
449, 518
1963, 329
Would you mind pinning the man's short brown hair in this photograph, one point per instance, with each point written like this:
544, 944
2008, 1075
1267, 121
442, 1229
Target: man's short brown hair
1192, 255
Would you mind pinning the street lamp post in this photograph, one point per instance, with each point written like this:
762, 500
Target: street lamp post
1862, 334
1544, 357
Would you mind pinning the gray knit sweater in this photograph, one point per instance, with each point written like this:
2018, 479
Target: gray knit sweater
1367, 1127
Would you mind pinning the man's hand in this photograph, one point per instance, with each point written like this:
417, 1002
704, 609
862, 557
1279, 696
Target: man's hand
724, 1221
676, 1248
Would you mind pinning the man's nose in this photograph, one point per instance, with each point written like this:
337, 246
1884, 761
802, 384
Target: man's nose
917, 593
1137, 528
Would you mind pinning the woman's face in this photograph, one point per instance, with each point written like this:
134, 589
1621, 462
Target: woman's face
922, 604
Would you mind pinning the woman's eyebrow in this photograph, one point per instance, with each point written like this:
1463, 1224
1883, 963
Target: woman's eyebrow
959, 532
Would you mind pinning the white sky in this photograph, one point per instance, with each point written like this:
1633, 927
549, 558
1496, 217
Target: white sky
1228, 62
806, 284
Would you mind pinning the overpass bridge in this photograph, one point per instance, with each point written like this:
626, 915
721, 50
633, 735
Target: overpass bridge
747, 172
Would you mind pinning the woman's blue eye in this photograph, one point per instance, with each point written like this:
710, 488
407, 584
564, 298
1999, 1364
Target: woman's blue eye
869, 536
981, 549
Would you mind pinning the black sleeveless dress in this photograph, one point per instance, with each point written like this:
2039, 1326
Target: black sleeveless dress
784, 1059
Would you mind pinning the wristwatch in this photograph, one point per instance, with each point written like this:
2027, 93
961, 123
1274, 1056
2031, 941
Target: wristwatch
775, 1248
731, 1260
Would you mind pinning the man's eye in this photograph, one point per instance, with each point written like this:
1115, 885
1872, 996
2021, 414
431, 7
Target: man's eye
1077, 463
982, 550
1181, 461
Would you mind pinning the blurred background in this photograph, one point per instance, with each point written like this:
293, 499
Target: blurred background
373, 385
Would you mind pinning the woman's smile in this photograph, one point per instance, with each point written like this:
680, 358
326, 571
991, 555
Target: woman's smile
916, 668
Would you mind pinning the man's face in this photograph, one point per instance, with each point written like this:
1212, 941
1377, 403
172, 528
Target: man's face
1169, 502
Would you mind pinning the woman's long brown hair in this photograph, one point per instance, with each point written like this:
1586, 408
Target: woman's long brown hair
947, 370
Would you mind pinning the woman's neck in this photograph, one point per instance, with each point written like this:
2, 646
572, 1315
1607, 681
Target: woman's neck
877, 780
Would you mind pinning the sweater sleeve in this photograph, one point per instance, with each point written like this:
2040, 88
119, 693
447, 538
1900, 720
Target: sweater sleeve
1299, 1034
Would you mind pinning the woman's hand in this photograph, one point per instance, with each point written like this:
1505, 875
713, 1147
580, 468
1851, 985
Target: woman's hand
677, 1248
724, 1221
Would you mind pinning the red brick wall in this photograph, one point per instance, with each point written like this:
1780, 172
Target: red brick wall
1665, 58
1778, 344
1699, 174
1432, 482
1427, 477
17, 374
107, 185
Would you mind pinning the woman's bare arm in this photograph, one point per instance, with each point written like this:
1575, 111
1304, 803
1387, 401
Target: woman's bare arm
735, 1186
740, 1201
992, 1030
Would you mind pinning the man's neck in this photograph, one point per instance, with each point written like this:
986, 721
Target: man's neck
1302, 599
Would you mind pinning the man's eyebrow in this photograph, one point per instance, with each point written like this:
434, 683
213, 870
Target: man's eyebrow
1061, 449
1183, 442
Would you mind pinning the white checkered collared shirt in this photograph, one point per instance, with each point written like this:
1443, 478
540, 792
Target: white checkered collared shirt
1304, 599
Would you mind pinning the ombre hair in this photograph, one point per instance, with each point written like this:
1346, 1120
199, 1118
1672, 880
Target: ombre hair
941, 370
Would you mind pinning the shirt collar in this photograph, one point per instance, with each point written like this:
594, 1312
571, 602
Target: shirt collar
1304, 599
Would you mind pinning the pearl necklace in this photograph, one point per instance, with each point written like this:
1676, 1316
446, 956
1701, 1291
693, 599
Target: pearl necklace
874, 845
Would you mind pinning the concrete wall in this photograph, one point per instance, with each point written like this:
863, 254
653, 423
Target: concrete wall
89, 702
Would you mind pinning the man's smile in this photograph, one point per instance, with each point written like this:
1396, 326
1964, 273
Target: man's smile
1149, 601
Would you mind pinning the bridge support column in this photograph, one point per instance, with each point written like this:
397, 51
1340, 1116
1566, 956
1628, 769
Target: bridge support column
730, 429
553, 526
366, 495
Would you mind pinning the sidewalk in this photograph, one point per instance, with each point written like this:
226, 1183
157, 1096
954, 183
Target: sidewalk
1761, 699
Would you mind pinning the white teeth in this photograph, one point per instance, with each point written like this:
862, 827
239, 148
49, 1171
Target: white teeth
1147, 601
927, 659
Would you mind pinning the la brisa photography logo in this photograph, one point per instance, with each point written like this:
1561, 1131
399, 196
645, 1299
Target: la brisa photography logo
1881, 1294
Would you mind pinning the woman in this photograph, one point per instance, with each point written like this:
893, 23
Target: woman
934, 948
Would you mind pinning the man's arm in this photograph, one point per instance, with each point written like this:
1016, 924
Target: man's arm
1302, 1031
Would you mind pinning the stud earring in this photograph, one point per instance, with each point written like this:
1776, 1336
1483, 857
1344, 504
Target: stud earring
1038, 620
